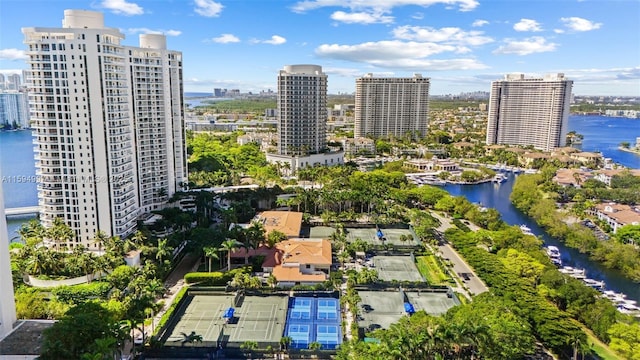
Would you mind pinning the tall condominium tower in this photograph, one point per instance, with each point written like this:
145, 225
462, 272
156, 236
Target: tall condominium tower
392, 107
7, 304
14, 109
528, 111
109, 124
302, 110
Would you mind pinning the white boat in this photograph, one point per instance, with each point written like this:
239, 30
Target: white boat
553, 251
573, 272
526, 230
598, 285
499, 178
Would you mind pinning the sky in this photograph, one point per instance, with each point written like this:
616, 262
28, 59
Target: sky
462, 45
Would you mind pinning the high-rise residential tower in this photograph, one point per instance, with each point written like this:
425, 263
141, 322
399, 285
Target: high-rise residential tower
302, 110
14, 109
392, 107
529, 111
109, 124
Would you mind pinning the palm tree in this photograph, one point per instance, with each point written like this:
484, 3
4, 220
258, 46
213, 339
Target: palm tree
315, 346
229, 245
163, 250
272, 281
211, 253
285, 342
60, 233
249, 346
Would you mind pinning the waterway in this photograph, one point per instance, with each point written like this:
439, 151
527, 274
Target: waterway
497, 196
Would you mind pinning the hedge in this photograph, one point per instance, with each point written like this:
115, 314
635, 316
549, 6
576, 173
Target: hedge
215, 278
80, 293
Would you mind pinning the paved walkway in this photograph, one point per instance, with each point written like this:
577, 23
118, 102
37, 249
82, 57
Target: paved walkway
460, 266
173, 284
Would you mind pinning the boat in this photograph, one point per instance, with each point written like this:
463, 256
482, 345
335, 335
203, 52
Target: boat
526, 230
598, 285
553, 251
499, 178
573, 272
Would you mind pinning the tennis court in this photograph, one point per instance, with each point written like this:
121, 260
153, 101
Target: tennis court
321, 232
433, 303
400, 268
256, 318
202, 314
260, 319
314, 320
378, 310
391, 236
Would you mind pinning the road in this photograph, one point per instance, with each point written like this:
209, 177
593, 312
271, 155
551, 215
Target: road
460, 266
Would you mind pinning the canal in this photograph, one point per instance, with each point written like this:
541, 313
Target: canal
496, 196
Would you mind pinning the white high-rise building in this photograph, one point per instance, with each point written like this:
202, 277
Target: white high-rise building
392, 107
302, 110
14, 109
7, 302
13, 82
529, 111
109, 124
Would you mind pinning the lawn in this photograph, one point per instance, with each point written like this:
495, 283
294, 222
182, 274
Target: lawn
600, 348
429, 268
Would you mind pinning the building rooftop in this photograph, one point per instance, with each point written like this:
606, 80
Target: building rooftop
25, 340
287, 222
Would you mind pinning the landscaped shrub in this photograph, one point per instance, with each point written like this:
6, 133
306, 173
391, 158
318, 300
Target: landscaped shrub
215, 278
170, 310
80, 293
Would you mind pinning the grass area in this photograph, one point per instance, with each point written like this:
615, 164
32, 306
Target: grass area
600, 348
429, 268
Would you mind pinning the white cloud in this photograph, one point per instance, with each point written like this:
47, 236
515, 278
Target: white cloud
380, 5
449, 35
527, 25
226, 38
150, 31
208, 8
479, 23
12, 54
558, 31
361, 18
275, 40
398, 54
122, 7
535, 44
580, 24
418, 16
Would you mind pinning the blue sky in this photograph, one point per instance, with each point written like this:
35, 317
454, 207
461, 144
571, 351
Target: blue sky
462, 45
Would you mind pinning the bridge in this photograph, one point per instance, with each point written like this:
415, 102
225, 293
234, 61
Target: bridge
26, 210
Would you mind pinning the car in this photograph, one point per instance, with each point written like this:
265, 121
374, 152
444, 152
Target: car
465, 276
139, 339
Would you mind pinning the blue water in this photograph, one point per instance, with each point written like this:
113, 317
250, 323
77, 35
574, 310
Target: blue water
18, 174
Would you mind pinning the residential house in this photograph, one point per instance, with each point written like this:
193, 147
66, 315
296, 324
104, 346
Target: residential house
617, 215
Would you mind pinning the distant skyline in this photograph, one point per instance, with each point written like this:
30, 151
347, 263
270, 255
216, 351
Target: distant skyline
462, 45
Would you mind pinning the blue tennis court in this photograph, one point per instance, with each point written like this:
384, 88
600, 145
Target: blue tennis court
327, 309
314, 320
328, 336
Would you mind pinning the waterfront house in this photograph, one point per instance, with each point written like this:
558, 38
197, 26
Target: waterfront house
617, 215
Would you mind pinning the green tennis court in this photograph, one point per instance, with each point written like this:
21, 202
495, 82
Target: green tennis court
400, 268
